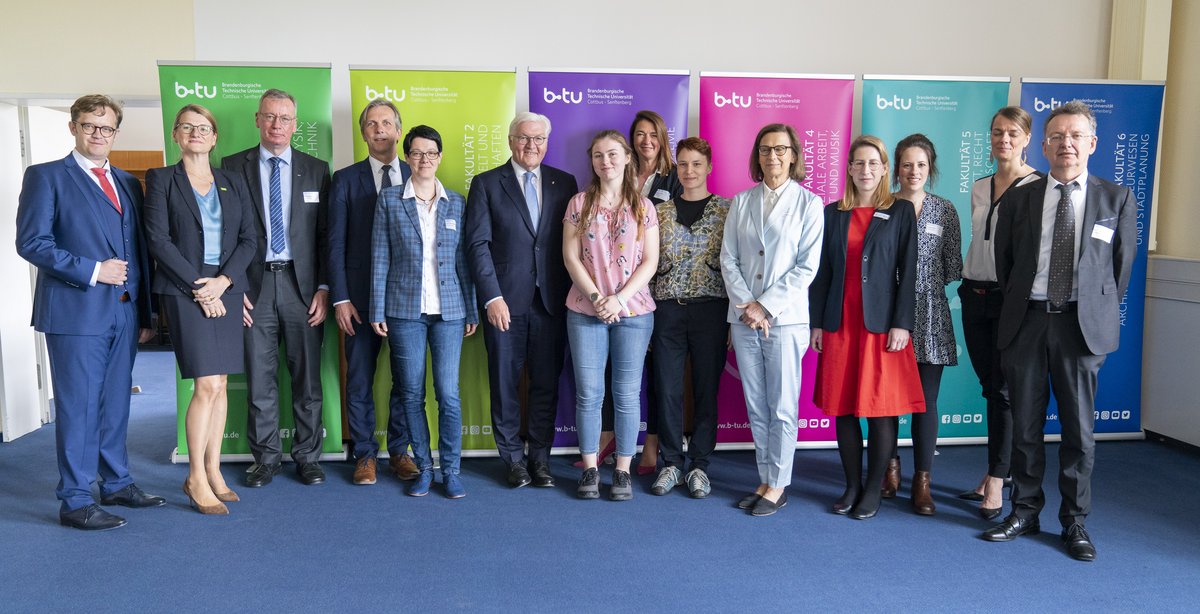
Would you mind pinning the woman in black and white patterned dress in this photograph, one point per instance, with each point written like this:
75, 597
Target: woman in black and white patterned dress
939, 262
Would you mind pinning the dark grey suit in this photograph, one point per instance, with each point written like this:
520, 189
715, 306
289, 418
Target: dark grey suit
1066, 348
281, 301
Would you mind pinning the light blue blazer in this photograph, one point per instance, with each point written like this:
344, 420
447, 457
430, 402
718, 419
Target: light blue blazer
396, 252
772, 261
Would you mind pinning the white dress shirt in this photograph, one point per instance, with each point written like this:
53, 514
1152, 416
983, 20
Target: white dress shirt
87, 166
1041, 279
377, 171
431, 300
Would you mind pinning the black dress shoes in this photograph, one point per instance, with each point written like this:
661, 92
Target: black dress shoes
90, 518
132, 496
845, 503
261, 474
542, 478
518, 476
1079, 543
311, 473
1013, 527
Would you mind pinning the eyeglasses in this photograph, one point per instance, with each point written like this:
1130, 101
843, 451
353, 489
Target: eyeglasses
202, 129
874, 165
90, 129
1058, 138
270, 118
521, 139
425, 155
765, 150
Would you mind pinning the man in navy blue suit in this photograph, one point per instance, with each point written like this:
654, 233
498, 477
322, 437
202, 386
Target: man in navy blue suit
351, 217
514, 244
79, 223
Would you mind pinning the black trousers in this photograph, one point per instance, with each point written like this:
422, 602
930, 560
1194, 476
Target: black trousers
282, 314
1049, 352
698, 330
981, 302
534, 342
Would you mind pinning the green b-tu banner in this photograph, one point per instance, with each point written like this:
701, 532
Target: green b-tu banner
232, 91
471, 110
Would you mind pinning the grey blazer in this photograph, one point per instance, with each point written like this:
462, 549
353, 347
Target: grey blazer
1104, 265
307, 237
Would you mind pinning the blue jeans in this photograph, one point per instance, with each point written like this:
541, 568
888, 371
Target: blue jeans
407, 339
592, 344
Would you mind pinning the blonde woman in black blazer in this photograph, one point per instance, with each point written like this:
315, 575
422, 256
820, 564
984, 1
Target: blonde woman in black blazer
201, 232
862, 311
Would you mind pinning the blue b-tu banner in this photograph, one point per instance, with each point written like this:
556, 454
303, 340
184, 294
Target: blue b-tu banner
1128, 115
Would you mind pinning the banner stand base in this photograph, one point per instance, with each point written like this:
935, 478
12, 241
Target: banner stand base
177, 458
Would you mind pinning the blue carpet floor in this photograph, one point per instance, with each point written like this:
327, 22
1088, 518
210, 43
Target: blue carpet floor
339, 547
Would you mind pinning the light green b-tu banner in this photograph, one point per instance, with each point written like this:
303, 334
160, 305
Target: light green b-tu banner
955, 114
231, 92
471, 110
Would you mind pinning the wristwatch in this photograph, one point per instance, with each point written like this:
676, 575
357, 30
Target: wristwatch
595, 296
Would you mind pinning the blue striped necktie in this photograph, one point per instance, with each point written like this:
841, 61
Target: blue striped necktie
278, 238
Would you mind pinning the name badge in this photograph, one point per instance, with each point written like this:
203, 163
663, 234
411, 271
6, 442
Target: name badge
662, 195
883, 216
1104, 233
312, 197
933, 229
452, 225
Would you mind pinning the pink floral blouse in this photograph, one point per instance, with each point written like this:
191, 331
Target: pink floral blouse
610, 251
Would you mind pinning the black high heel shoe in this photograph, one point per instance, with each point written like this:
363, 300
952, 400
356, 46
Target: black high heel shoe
990, 513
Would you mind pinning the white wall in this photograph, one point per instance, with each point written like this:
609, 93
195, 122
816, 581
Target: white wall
20, 404
1068, 38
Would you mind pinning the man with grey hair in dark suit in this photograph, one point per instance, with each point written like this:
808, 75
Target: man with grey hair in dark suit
1065, 246
287, 295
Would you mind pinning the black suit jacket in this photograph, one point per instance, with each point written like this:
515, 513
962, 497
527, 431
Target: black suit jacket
506, 253
1103, 269
175, 234
307, 238
889, 267
352, 198
668, 184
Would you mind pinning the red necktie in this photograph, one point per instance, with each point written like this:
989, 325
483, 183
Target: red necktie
107, 186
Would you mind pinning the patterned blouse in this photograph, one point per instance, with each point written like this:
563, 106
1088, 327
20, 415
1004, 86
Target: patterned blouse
610, 251
689, 259
939, 262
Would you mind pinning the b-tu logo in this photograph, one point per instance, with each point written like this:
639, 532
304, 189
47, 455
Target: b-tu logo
566, 96
198, 90
896, 102
388, 94
1040, 105
734, 99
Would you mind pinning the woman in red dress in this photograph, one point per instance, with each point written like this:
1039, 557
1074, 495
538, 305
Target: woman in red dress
862, 310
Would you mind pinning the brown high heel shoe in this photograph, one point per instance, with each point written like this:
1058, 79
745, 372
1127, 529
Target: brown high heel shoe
217, 510
227, 497
922, 500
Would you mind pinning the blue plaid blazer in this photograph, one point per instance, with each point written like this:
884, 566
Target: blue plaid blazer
396, 259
